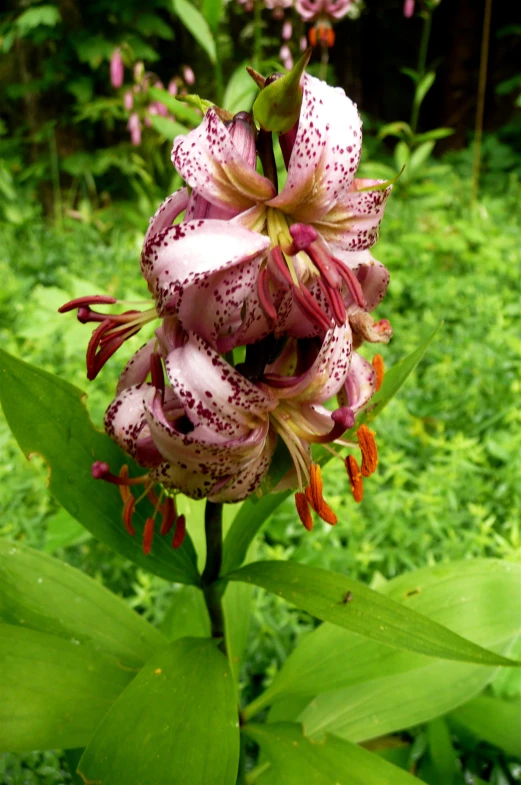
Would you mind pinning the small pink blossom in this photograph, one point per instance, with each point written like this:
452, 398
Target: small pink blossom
408, 8
134, 127
188, 75
287, 30
172, 87
286, 57
128, 100
310, 10
116, 68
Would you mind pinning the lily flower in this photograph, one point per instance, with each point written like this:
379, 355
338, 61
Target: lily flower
298, 260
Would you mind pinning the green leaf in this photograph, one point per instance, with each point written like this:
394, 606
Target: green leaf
240, 91
395, 129
402, 155
492, 720
151, 24
62, 531
443, 756
195, 22
178, 108
322, 594
167, 127
477, 599
187, 615
47, 416
296, 759
237, 602
177, 722
212, 11
45, 594
423, 87
420, 155
43, 15
55, 691
436, 133
277, 106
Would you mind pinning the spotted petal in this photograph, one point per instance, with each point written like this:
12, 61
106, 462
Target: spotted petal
360, 384
178, 257
208, 160
167, 212
325, 155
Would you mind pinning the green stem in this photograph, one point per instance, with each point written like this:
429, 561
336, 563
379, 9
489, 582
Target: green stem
213, 526
267, 156
257, 34
422, 65
324, 60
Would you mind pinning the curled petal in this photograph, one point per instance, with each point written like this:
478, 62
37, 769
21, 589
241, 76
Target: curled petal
325, 154
213, 393
125, 417
360, 384
372, 275
353, 223
137, 368
167, 212
178, 257
209, 161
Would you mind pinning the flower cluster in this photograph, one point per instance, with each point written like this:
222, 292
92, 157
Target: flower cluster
263, 296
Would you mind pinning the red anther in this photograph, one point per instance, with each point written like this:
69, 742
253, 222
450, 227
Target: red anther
335, 301
158, 376
93, 299
312, 35
124, 490
92, 348
315, 496
379, 367
355, 478
276, 257
169, 515
301, 503
152, 496
148, 536
99, 469
311, 308
128, 511
263, 290
180, 532
367, 444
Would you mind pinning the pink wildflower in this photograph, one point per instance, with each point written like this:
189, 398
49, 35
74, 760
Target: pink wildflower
116, 68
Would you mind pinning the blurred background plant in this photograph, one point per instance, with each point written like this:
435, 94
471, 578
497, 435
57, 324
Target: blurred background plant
87, 119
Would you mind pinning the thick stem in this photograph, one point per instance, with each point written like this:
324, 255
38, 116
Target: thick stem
267, 156
213, 526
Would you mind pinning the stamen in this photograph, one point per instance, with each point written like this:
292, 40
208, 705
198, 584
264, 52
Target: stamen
311, 308
301, 503
128, 511
315, 496
335, 301
169, 516
367, 446
100, 471
378, 365
263, 291
180, 532
98, 299
148, 536
276, 260
124, 490
355, 478
352, 282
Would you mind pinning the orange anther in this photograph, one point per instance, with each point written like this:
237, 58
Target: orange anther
367, 444
304, 513
180, 531
169, 515
128, 511
355, 478
124, 490
313, 493
148, 536
378, 365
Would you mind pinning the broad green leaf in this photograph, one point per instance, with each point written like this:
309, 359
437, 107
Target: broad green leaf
32, 18
177, 722
388, 691
277, 106
402, 154
63, 531
395, 129
55, 691
187, 615
167, 127
178, 108
195, 22
240, 91
477, 599
323, 594
296, 759
420, 156
212, 10
493, 720
47, 416
254, 512
443, 759
436, 133
45, 594
237, 603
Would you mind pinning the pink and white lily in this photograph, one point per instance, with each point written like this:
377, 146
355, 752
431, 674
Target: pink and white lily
294, 262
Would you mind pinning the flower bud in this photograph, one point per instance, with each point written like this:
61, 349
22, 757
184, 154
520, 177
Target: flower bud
116, 68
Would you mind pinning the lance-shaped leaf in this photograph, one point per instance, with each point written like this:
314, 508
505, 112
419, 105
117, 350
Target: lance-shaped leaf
44, 594
195, 22
296, 759
47, 416
333, 597
55, 690
177, 722
254, 513
277, 107
493, 720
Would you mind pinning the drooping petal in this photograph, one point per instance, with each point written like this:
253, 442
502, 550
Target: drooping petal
353, 223
137, 368
248, 477
213, 393
372, 275
209, 161
360, 384
181, 255
125, 417
325, 155
167, 212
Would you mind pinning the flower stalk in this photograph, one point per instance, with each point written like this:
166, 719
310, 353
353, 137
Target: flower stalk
213, 527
